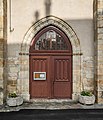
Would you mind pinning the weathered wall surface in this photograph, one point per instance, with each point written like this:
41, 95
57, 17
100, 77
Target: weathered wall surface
78, 14
98, 19
3, 19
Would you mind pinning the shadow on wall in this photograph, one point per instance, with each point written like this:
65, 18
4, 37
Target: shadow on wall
82, 27
12, 66
47, 7
13, 50
36, 15
84, 30
47, 4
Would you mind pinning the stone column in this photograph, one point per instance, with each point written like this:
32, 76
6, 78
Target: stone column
98, 33
3, 14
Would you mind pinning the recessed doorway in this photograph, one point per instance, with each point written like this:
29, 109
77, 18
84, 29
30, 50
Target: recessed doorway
50, 64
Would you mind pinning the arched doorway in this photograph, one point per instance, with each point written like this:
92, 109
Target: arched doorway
50, 64
23, 85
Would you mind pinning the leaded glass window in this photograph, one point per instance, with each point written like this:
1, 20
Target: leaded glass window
51, 40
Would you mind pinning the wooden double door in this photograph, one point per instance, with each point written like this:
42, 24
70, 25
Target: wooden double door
58, 76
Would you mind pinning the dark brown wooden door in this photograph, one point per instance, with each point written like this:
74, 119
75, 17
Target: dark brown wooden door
39, 88
58, 77
50, 64
62, 77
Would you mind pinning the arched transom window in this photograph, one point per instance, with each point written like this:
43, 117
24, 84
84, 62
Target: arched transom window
51, 40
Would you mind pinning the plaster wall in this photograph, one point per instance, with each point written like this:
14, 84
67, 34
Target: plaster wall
77, 13
23, 14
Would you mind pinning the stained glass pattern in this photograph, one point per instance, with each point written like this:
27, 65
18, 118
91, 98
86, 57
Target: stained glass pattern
51, 40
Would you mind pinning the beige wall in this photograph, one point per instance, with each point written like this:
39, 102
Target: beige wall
23, 13
77, 13
84, 31
72, 9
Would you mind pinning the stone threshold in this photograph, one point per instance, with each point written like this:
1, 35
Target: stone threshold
42, 100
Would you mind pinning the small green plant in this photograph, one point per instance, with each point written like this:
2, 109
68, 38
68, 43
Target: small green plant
86, 93
12, 95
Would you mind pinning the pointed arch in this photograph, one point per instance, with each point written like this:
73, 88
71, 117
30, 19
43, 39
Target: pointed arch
23, 81
51, 20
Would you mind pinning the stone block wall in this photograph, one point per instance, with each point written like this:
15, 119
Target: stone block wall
1, 52
3, 34
18, 76
98, 29
87, 73
13, 69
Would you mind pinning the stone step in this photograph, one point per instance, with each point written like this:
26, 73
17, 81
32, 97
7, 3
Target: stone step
53, 101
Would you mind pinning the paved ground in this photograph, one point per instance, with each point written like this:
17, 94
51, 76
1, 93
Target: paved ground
52, 110
41, 114
50, 105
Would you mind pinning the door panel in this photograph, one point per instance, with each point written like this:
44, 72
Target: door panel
62, 77
39, 88
62, 90
61, 69
58, 76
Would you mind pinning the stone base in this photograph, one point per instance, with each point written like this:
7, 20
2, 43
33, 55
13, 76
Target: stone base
44, 100
25, 96
1, 98
75, 96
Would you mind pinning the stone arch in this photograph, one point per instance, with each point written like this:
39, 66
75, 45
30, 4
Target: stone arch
51, 20
23, 81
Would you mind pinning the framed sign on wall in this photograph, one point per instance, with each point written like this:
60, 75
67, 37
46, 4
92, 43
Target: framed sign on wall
39, 75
